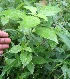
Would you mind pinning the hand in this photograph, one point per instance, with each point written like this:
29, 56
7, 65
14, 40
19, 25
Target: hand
4, 41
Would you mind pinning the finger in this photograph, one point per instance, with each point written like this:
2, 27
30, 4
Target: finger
4, 46
1, 51
5, 40
3, 34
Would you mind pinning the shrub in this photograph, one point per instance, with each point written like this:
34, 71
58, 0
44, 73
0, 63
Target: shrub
40, 39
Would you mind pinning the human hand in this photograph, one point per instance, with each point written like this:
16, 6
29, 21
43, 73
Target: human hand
4, 41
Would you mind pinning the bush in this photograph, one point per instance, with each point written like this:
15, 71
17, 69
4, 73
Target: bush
40, 33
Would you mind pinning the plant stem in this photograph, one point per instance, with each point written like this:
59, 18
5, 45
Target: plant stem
57, 65
60, 76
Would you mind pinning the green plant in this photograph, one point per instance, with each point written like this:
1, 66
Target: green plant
40, 43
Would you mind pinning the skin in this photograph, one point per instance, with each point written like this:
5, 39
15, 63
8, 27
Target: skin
4, 41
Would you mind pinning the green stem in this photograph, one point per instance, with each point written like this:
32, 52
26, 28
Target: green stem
60, 76
53, 69
57, 65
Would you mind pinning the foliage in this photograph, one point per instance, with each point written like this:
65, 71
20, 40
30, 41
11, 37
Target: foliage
40, 36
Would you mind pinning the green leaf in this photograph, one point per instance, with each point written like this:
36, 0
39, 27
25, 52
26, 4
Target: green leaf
47, 33
4, 20
31, 8
8, 67
49, 22
49, 10
5, 12
0, 77
64, 69
65, 39
15, 14
42, 16
15, 49
24, 75
27, 49
12, 14
30, 21
52, 44
1, 8
25, 58
38, 60
30, 67
68, 72
9, 61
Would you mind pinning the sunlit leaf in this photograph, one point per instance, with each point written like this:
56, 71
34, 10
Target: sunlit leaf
31, 8
25, 58
4, 20
42, 16
12, 14
47, 33
27, 49
49, 10
30, 21
15, 49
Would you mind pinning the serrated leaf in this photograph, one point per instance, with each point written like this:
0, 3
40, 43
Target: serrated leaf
5, 12
30, 21
12, 14
42, 16
15, 49
30, 67
47, 33
4, 20
27, 49
31, 8
15, 15
38, 60
49, 10
25, 58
